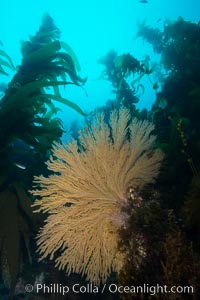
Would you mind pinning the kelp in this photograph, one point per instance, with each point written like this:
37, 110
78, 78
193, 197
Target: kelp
66, 102
191, 208
46, 63
48, 58
16, 223
29, 94
42, 54
29, 127
150, 35
72, 54
124, 72
23, 107
5, 61
178, 99
172, 256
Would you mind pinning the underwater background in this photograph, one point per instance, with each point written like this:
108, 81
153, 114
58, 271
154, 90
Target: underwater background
92, 29
127, 74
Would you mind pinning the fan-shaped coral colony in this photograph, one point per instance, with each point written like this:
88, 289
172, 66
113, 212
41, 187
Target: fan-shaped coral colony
120, 201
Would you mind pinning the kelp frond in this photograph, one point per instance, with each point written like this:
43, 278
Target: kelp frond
5, 61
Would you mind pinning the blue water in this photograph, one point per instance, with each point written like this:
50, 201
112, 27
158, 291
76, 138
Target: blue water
91, 28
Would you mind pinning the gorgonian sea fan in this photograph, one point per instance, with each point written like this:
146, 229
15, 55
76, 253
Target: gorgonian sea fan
86, 198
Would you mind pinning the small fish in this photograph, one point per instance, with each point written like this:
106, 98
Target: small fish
20, 166
143, 1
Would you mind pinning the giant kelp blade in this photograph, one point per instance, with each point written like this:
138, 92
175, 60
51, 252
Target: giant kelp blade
42, 54
4, 54
29, 89
67, 102
2, 71
71, 52
24, 95
6, 64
